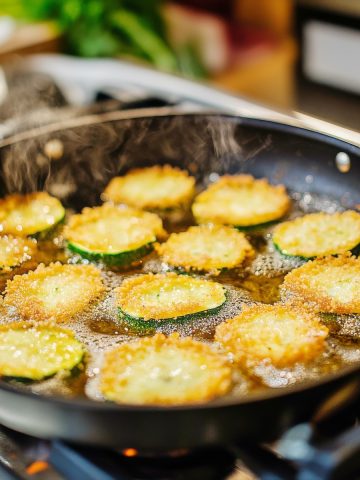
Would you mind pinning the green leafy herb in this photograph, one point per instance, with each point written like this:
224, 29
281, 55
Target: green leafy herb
93, 28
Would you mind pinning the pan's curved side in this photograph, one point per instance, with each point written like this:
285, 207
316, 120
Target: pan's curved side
90, 154
165, 429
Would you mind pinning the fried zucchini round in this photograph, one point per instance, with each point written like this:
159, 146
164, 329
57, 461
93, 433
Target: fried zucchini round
14, 251
146, 301
164, 371
153, 188
113, 235
206, 248
30, 214
318, 234
241, 201
35, 353
331, 284
56, 292
279, 334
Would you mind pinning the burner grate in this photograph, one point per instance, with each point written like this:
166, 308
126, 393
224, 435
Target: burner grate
23, 457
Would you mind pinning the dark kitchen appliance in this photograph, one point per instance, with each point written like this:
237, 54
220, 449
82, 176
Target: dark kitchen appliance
328, 33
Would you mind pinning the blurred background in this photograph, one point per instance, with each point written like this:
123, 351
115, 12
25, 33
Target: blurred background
289, 54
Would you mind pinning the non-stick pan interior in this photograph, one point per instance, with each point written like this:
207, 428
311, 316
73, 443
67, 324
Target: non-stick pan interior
76, 162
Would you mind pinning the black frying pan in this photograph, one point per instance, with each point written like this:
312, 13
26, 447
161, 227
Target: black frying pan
98, 147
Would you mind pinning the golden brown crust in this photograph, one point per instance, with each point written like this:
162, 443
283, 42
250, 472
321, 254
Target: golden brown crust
14, 251
164, 371
109, 229
206, 248
318, 234
241, 200
56, 292
29, 214
279, 334
163, 296
330, 284
154, 188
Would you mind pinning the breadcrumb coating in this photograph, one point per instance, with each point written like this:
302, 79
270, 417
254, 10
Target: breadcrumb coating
37, 352
279, 334
162, 370
242, 201
206, 248
330, 284
29, 214
165, 296
153, 188
110, 229
14, 251
56, 292
318, 234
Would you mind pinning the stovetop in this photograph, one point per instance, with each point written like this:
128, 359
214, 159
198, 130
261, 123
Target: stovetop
302, 453
24, 457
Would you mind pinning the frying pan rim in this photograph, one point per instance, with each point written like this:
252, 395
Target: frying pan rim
160, 112
90, 404
88, 120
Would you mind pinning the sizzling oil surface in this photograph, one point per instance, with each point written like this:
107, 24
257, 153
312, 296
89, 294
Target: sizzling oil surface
99, 329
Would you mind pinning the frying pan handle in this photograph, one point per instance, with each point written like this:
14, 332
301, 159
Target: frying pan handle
324, 449
94, 73
337, 459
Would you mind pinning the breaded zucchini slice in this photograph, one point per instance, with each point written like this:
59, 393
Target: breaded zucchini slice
318, 234
146, 301
163, 370
206, 248
113, 235
56, 292
14, 251
37, 352
331, 284
30, 214
153, 188
241, 201
279, 334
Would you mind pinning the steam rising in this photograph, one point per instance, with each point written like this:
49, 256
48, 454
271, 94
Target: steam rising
75, 164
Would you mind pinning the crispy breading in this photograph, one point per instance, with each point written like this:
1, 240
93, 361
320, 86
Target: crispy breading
111, 229
154, 188
206, 248
163, 370
56, 292
242, 201
318, 234
29, 214
167, 295
279, 334
330, 284
14, 251
37, 352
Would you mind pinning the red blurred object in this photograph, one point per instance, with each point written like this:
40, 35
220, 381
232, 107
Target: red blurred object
208, 33
249, 42
219, 41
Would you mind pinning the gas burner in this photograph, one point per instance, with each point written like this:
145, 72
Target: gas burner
24, 457
327, 449
294, 456
99, 464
